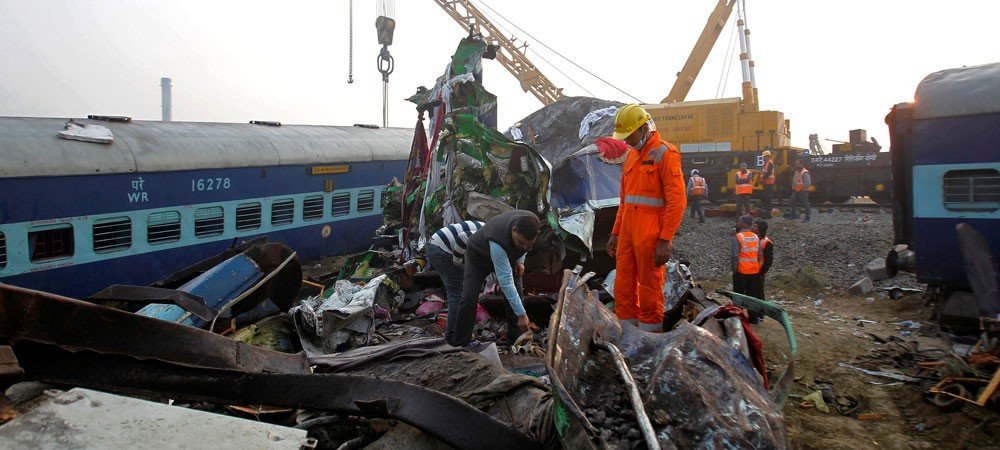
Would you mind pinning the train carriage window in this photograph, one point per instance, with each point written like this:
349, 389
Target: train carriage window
341, 205
209, 221
48, 243
366, 200
248, 216
282, 211
312, 207
972, 190
114, 234
3, 250
163, 227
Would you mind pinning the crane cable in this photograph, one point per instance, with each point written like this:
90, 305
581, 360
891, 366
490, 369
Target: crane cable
539, 55
557, 53
350, 41
727, 64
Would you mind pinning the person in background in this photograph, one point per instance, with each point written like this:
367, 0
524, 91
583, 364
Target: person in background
801, 181
767, 177
744, 189
498, 247
765, 256
744, 260
650, 209
697, 188
446, 253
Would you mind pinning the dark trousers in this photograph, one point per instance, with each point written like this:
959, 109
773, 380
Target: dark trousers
464, 321
452, 277
745, 284
695, 202
743, 204
768, 197
757, 291
800, 198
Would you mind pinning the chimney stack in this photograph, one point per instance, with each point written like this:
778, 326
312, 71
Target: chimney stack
165, 98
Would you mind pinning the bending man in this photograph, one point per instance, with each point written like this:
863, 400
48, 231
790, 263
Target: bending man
498, 247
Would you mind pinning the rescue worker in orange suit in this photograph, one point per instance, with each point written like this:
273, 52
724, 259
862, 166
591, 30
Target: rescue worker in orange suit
765, 255
744, 259
650, 210
697, 187
801, 182
767, 177
744, 188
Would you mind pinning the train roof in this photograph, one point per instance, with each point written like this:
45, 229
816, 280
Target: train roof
959, 92
31, 146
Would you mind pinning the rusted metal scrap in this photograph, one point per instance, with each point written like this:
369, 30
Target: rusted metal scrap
74, 325
62, 340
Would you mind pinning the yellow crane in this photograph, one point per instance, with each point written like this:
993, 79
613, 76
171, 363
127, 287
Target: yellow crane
727, 124
509, 55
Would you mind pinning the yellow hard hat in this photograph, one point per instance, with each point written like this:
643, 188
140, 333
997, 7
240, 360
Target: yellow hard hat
767, 153
628, 119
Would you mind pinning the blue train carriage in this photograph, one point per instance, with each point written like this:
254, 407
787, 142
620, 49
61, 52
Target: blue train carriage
946, 169
77, 216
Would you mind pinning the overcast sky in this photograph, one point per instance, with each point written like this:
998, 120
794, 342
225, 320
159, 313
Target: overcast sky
830, 66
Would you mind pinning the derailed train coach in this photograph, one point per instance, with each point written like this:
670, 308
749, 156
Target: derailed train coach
946, 171
122, 201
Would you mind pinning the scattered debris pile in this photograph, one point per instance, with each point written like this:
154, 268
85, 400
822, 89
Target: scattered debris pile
696, 389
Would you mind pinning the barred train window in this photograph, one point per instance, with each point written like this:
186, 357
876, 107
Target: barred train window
972, 190
163, 227
248, 216
282, 211
3, 250
366, 200
341, 204
110, 235
312, 208
47, 243
209, 221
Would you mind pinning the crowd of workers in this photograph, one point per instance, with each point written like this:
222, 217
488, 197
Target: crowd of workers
652, 203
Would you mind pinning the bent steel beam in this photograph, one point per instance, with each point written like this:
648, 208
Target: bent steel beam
74, 325
442, 416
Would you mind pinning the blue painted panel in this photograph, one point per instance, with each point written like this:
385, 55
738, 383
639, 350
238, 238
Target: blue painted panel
218, 286
939, 260
928, 191
956, 140
43, 198
83, 280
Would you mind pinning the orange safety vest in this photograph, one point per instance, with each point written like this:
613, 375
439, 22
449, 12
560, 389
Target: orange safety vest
760, 252
770, 178
697, 185
797, 182
749, 251
743, 185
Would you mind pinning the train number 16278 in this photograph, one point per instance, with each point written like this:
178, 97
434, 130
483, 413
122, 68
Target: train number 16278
209, 184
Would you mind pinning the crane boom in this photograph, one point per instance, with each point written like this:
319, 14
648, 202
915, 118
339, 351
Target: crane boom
510, 56
702, 48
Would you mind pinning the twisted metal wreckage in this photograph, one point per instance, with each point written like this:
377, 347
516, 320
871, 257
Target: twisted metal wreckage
702, 382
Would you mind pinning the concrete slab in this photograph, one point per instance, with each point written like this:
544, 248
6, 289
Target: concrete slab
86, 419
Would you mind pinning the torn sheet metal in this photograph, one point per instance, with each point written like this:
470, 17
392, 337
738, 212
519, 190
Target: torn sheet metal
34, 316
593, 117
580, 223
432, 412
484, 207
346, 318
87, 133
698, 390
87, 419
467, 154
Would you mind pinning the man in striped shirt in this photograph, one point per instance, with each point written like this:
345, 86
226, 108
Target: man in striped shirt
446, 253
